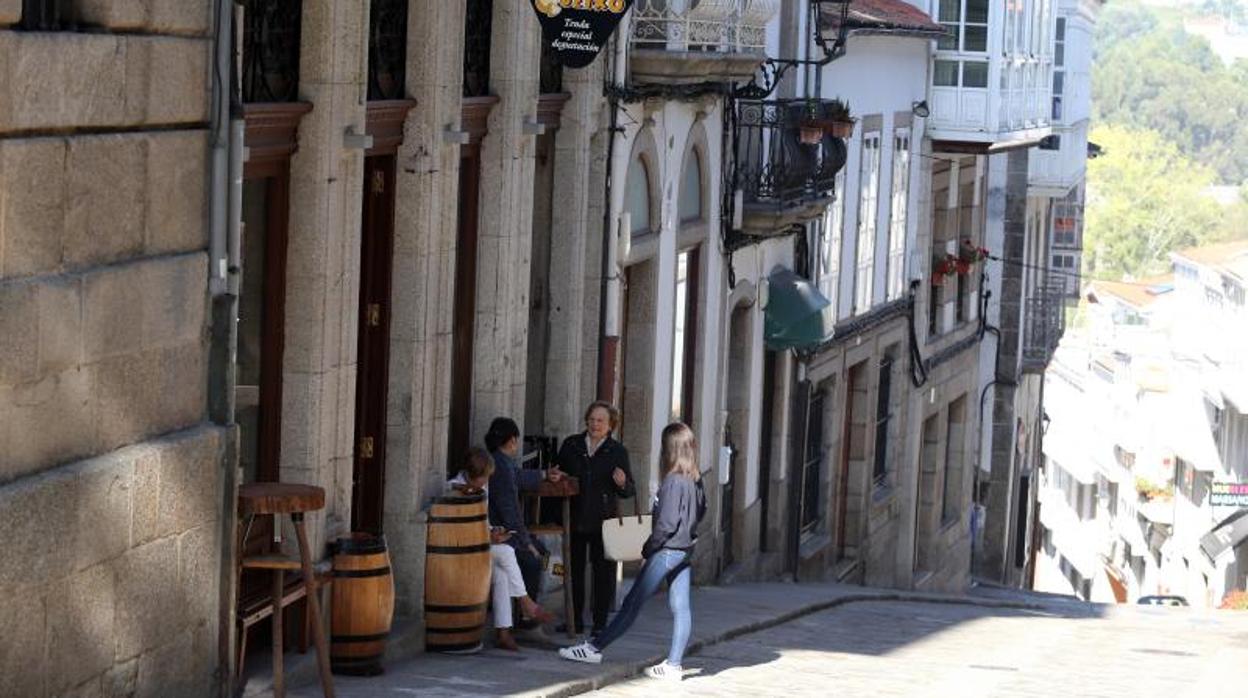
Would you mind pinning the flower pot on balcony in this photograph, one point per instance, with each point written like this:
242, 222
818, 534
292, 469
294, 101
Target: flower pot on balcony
841, 128
810, 135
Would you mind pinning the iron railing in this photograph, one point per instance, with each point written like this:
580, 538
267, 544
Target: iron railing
729, 26
271, 33
1044, 324
387, 49
778, 164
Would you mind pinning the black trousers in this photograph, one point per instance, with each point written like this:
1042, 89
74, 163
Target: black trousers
531, 570
602, 571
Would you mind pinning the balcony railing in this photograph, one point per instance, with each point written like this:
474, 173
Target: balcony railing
785, 166
682, 41
1044, 325
702, 25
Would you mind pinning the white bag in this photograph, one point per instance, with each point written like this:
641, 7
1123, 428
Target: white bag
624, 536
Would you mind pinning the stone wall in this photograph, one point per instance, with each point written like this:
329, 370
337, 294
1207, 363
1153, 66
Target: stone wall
110, 576
111, 485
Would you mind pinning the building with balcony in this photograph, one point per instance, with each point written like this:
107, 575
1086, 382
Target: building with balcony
1173, 441
691, 42
991, 72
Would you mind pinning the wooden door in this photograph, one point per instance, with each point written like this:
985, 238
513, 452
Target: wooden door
372, 372
464, 322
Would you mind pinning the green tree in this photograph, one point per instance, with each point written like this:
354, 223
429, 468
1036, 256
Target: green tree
1145, 200
1150, 73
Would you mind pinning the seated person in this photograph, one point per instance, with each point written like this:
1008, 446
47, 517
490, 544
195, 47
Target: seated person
506, 581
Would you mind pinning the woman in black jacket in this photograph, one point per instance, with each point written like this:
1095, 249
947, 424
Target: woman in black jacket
600, 463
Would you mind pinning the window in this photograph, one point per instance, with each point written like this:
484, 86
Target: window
638, 188
478, 18
883, 414
954, 435
1059, 62
966, 22
899, 217
690, 205
1064, 261
812, 463
684, 341
828, 249
868, 208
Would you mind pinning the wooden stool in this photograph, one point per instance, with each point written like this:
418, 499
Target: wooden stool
275, 499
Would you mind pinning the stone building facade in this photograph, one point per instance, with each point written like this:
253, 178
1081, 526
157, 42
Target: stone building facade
327, 242
112, 475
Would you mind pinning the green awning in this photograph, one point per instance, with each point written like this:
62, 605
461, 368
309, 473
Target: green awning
797, 316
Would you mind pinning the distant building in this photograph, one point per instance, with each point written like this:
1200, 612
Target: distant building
1140, 505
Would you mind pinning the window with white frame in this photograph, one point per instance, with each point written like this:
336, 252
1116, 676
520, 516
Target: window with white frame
868, 208
828, 249
899, 214
966, 25
638, 197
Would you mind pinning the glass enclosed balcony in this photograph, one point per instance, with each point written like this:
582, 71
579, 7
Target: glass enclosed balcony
992, 72
698, 41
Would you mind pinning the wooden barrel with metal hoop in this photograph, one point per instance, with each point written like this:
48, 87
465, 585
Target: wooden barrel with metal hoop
457, 574
363, 605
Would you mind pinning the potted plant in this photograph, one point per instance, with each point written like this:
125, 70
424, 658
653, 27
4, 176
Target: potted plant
830, 116
942, 266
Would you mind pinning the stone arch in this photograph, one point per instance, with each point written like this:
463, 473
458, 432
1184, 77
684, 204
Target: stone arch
644, 168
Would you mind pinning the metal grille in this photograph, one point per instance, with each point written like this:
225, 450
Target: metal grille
882, 416
271, 32
812, 464
1045, 323
477, 23
387, 49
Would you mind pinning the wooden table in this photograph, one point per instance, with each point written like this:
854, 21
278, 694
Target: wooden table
565, 490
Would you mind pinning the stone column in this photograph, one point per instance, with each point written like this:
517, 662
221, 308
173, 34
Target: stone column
575, 253
322, 277
423, 289
506, 219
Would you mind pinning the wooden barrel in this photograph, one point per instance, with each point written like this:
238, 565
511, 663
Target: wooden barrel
457, 574
363, 605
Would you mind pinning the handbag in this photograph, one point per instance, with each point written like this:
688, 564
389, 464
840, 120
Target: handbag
624, 536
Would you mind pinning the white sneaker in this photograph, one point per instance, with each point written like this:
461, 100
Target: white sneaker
665, 672
583, 652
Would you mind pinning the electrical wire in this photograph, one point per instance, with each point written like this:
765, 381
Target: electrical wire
1068, 274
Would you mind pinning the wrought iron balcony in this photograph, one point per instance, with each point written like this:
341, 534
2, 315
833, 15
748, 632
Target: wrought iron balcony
1044, 324
681, 42
787, 155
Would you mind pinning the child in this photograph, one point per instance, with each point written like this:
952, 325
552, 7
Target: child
507, 582
680, 506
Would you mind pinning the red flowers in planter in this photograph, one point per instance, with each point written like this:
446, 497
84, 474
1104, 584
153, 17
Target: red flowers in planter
960, 264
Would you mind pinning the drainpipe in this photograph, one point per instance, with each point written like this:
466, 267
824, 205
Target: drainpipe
609, 320
225, 201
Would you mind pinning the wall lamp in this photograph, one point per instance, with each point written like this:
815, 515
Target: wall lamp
920, 109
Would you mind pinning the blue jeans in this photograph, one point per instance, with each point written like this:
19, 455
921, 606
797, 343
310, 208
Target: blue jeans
672, 565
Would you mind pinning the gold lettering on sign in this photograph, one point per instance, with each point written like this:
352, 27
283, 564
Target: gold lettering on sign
615, 6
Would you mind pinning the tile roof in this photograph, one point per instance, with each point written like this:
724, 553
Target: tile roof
1231, 257
883, 17
1140, 294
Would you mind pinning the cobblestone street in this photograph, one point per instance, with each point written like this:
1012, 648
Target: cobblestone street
923, 649
832, 640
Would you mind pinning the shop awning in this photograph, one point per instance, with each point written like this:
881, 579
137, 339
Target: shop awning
797, 316
1227, 535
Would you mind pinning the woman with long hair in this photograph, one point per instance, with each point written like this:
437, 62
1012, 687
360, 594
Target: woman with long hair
679, 507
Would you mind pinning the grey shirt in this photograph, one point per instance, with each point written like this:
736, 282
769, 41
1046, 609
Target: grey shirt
681, 504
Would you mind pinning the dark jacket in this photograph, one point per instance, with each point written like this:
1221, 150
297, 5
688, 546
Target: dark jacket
598, 498
505, 486
680, 506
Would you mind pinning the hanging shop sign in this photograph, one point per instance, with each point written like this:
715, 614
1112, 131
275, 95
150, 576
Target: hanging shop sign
576, 30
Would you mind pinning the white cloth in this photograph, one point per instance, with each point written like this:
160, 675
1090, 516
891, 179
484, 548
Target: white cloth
506, 583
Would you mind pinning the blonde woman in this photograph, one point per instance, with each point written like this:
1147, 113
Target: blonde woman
680, 505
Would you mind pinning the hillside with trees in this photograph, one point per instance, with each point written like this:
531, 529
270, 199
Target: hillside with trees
1172, 118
